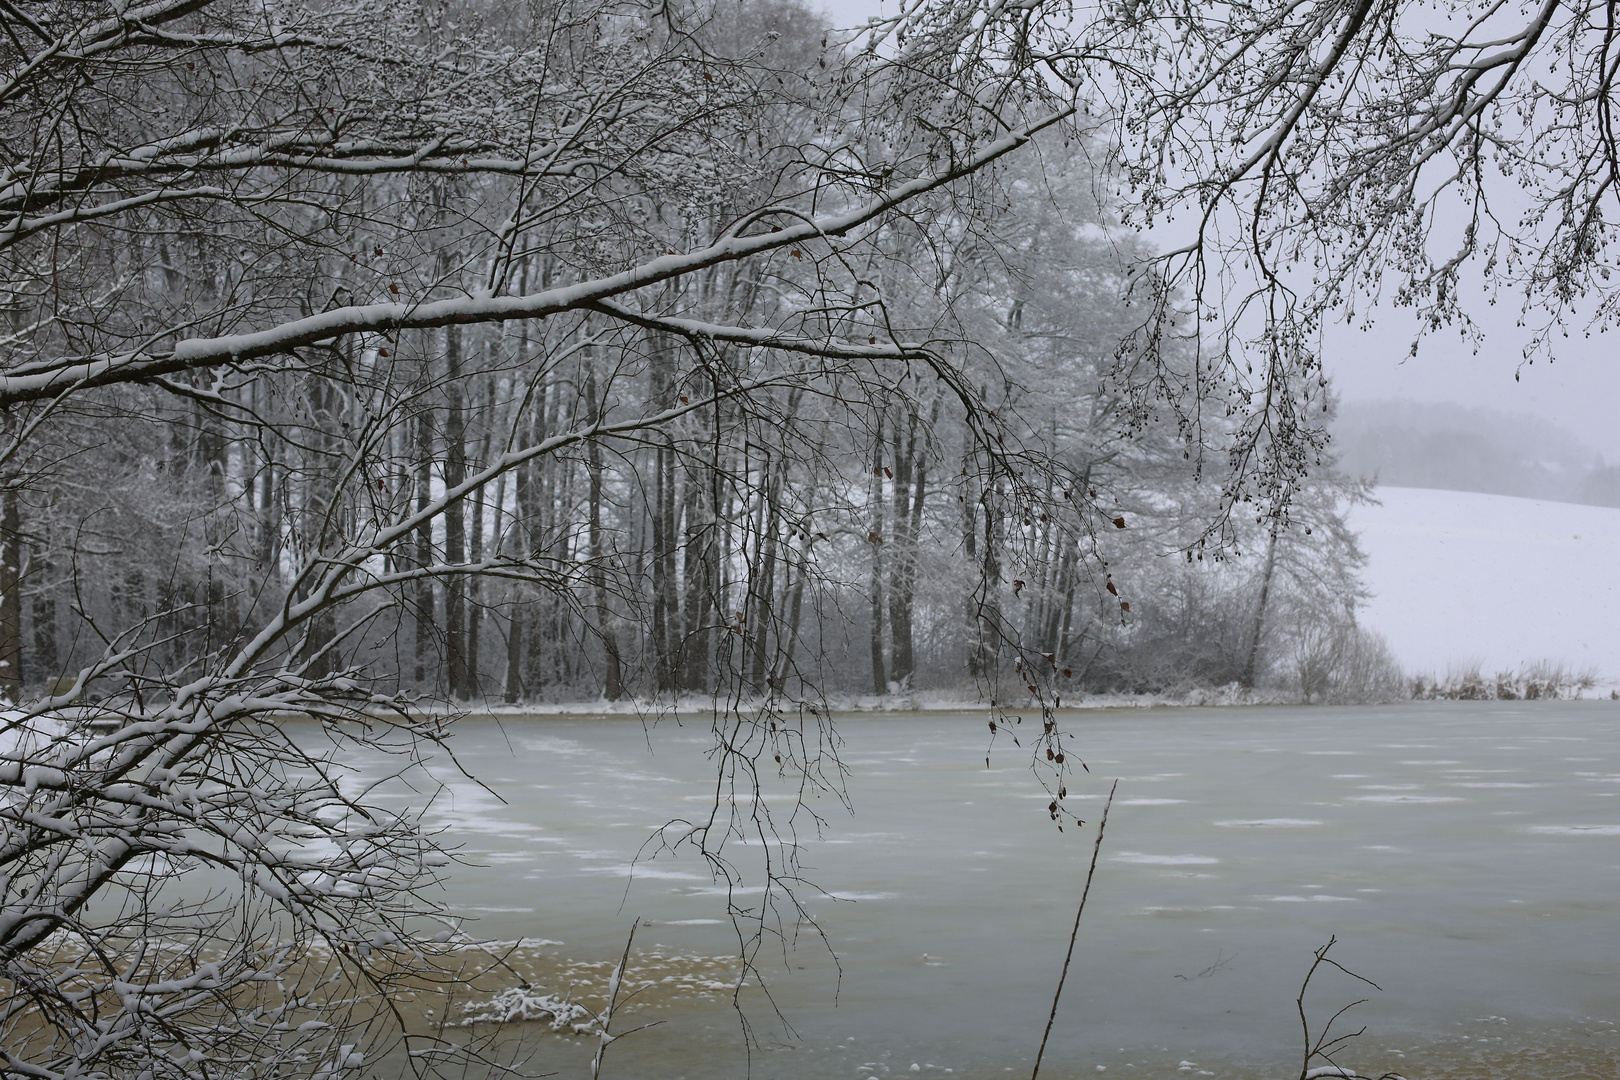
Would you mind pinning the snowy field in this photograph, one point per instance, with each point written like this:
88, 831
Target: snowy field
1460, 578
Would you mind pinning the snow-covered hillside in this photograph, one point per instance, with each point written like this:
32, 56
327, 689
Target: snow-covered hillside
1461, 578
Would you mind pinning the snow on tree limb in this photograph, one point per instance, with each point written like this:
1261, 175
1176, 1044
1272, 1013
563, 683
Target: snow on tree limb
33, 382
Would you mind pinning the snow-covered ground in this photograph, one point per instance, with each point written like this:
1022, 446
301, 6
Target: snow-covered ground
1460, 578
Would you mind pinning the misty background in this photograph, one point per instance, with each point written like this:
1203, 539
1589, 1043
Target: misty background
1457, 448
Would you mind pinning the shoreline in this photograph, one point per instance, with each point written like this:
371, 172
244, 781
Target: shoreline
856, 707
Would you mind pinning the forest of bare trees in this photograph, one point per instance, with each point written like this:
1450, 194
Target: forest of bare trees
687, 549
360, 361
608, 500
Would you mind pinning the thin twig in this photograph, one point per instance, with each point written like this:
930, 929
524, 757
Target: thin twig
1323, 1048
605, 1020
1075, 933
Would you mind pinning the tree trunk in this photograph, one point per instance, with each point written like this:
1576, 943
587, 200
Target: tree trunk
987, 623
762, 583
475, 595
539, 481
701, 571
522, 497
910, 494
612, 681
517, 606
317, 522
666, 630
11, 642
874, 536
666, 608
790, 638
1065, 637
423, 593
970, 546
219, 605
1255, 628
1057, 595
44, 660
455, 516
1066, 625
268, 517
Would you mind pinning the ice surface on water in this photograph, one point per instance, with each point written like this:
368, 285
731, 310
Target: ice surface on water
1467, 882
721, 890
652, 873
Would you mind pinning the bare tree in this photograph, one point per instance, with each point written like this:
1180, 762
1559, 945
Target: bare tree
258, 259
1320, 159
621, 316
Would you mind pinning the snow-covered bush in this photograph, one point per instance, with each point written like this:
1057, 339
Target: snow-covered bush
1544, 679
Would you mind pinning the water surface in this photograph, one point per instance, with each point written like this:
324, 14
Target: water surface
1466, 855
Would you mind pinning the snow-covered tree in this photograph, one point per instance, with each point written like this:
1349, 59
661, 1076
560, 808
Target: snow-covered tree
344, 339
330, 327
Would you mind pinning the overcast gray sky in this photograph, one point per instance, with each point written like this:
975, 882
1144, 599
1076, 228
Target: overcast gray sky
1580, 391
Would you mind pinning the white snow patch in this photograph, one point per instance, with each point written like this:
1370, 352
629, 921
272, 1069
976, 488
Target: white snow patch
1313, 898
1269, 823
1575, 830
1459, 578
1407, 798
526, 1004
22, 738
1164, 860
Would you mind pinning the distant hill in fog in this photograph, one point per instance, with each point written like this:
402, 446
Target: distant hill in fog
1454, 448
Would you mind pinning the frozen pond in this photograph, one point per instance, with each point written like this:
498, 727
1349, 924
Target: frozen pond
1467, 856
